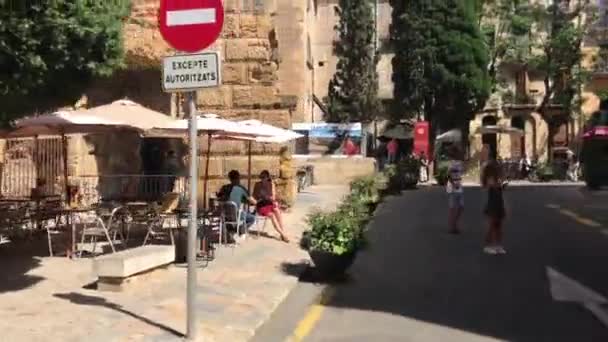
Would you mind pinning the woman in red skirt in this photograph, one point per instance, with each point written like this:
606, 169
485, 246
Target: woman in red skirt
264, 192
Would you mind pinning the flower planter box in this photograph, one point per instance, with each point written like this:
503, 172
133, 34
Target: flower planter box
332, 265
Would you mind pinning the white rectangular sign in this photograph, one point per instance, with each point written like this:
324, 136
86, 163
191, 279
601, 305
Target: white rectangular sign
191, 72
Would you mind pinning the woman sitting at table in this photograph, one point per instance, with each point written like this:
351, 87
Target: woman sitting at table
264, 193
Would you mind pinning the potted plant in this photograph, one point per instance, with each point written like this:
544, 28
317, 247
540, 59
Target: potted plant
409, 168
394, 181
335, 237
441, 172
366, 189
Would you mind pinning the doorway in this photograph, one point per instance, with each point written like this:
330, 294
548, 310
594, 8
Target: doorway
490, 139
518, 144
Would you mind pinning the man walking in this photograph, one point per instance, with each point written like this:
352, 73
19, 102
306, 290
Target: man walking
455, 190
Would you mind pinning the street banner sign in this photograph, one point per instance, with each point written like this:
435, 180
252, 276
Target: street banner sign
191, 25
421, 139
191, 72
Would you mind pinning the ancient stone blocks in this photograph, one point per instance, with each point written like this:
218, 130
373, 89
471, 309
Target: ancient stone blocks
235, 73
215, 97
247, 49
255, 96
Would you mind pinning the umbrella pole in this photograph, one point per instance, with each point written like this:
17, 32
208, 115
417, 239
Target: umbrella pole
206, 179
249, 168
64, 147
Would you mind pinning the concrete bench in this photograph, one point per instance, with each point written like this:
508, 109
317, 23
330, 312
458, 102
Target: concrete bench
114, 270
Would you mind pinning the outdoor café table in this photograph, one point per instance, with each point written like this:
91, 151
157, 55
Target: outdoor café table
71, 213
205, 216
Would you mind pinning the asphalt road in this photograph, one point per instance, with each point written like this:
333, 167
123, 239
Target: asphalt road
417, 283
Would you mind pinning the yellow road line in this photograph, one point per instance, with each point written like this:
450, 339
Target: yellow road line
580, 219
576, 217
312, 317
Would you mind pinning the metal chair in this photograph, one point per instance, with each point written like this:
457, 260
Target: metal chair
259, 219
231, 215
98, 228
49, 212
160, 215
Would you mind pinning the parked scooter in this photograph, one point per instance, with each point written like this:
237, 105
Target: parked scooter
531, 172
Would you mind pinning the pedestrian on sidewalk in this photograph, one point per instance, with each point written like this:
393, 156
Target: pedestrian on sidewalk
454, 189
391, 149
495, 207
424, 168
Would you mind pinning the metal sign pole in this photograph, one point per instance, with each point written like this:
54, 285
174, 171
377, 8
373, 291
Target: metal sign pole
192, 229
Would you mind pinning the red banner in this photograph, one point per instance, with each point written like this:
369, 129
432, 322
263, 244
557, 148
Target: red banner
421, 139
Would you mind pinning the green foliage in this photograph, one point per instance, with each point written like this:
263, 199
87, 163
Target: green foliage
49, 46
440, 63
441, 172
366, 188
546, 172
409, 164
352, 94
342, 231
544, 39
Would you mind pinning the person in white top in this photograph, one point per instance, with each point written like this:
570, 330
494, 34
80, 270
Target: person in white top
455, 190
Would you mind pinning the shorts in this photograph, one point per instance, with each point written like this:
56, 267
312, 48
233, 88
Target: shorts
455, 200
266, 210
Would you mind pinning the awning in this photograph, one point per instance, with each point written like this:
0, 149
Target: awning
398, 132
121, 114
65, 122
213, 124
453, 136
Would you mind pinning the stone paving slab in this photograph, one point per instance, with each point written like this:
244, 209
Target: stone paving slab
44, 299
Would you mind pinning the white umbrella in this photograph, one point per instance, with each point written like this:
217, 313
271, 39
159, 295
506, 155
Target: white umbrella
453, 135
278, 136
66, 122
214, 126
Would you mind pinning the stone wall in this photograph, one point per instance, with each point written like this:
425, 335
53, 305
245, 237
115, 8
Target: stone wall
333, 171
250, 88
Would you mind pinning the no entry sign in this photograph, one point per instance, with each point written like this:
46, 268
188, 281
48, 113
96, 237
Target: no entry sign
191, 25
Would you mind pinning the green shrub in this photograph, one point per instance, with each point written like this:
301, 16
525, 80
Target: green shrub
366, 188
408, 165
441, 172
341, 231
546, 172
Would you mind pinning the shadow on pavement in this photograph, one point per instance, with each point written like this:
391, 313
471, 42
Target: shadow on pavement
18, 257
415, 270
15, 275
307, 273
81, 299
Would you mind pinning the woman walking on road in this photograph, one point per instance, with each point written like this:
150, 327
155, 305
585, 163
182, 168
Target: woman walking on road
454, 190
495, 207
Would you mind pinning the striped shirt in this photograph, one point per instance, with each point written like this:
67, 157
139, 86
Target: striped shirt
455, 172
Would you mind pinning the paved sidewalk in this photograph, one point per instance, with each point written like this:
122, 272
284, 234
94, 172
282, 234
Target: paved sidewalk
44, 299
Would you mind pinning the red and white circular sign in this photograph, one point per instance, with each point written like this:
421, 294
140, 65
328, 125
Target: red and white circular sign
191, 25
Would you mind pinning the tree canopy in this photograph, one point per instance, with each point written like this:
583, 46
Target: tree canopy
441, 59
48, 47
353, 90
540, 38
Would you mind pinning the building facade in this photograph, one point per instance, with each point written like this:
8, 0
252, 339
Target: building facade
515, 106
